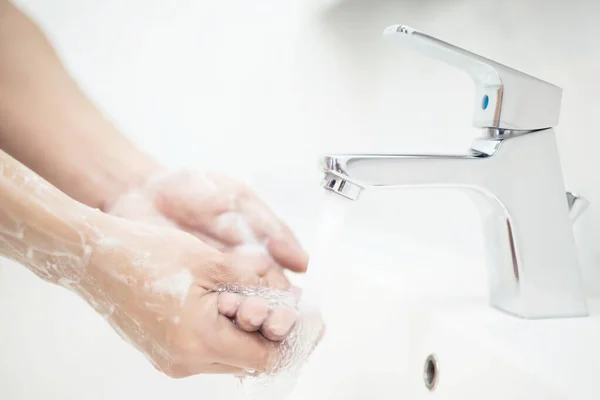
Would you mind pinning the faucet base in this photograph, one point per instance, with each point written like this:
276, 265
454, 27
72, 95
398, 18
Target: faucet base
516, 182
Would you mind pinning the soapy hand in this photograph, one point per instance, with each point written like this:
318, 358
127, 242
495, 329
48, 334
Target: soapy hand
187, 304
222, 212
158, 288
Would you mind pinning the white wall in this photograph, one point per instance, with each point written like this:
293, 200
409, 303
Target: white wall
259, 89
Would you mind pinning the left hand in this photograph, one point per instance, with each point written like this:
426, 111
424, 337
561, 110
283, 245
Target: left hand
222, 212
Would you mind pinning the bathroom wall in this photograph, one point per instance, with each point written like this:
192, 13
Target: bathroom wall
260, 89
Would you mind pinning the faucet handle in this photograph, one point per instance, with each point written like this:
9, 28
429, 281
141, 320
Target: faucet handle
505, 98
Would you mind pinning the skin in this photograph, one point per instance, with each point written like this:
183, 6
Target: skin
127, 274
114, 209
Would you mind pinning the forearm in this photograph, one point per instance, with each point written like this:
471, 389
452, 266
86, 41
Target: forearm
48, 123
40, 227
59, 239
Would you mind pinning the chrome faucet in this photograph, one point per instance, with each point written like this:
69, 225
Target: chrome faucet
512, 172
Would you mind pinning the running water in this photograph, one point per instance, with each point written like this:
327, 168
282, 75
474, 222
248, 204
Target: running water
296, 348
334, 209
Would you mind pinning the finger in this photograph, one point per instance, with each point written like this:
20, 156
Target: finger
231, 227
224, 225
232, 223
206, 231
288, 254
248, 350
221, 271
279, 323
276, 278
204, 238
247, 221
252, 312
281, 242
261, 220
229, 303
263, 266
259, 264
183, 201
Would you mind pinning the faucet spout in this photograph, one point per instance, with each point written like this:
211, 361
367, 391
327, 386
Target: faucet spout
532, 262
404, 171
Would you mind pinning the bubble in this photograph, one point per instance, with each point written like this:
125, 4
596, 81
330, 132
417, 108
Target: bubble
294, 350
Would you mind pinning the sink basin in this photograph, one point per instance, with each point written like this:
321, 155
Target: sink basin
483, 353
408, 282
478, 352
414, 295
472, 351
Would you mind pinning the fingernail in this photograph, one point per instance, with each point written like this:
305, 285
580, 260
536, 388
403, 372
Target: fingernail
256, 321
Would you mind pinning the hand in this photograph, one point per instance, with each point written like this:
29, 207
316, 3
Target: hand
221, 212
156, 286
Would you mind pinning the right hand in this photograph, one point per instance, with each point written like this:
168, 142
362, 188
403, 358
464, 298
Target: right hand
220, 211
155, 285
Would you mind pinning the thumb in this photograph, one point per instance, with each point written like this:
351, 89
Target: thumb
226, 272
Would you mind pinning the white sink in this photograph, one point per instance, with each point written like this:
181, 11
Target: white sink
483, 353
480, 353
408, 299
408, 283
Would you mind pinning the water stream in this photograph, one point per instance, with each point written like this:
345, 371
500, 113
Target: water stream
298, 346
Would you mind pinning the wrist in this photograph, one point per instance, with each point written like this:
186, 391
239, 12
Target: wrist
122, 176
108, 176
108, 265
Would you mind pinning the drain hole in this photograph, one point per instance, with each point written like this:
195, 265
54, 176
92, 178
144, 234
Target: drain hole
332, 183
342, 184
430, 372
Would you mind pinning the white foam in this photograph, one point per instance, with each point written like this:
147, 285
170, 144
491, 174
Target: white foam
176, 285
108, 242
237, 222
251, 248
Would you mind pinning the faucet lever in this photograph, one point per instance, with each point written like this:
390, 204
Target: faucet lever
506, 99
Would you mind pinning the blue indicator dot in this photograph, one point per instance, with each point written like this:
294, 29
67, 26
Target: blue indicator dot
485, 102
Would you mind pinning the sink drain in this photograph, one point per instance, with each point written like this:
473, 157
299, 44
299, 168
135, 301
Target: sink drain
431, 371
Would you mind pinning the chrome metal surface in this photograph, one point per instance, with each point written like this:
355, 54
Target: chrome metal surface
518, 187
505, 98
514, 177
577, 205
336, 183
